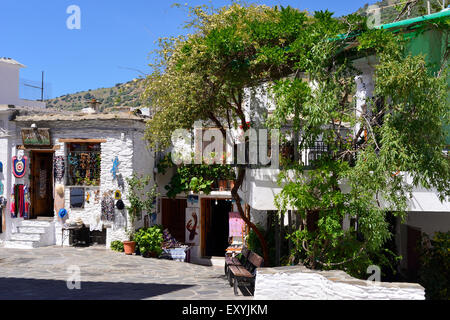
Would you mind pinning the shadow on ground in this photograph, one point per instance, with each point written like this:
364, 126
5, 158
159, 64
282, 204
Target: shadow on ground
34, 289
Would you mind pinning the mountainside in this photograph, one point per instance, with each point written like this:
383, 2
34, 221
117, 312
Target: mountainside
124, 95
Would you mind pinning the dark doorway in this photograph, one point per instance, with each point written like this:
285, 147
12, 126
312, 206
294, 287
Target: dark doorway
42, 184
174, 216
414, 236
217, 227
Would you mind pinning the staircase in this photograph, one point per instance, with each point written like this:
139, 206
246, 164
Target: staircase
33, 234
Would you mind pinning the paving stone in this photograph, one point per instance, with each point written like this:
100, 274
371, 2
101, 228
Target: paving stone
42, 274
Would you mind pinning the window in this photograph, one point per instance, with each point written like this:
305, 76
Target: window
83, 163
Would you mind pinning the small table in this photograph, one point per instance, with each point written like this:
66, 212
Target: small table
70, 229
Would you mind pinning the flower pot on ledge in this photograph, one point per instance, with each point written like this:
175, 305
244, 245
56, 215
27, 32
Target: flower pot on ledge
223, 184
129, 247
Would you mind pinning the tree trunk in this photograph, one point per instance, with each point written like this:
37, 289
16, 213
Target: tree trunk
235, 195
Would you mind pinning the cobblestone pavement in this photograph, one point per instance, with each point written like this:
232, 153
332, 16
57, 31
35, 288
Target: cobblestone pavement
43, 273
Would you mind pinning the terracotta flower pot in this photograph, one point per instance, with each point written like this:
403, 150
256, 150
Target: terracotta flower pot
222, 185
129, 247
231, 184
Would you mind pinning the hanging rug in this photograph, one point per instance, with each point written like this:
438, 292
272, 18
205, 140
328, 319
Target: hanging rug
19, 167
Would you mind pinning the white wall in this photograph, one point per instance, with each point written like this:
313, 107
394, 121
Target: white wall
9, 83
299, 283
123, 140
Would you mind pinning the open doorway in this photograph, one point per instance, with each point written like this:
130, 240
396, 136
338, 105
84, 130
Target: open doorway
216, 226
42, 184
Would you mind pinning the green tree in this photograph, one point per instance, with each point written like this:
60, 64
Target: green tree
203, 76
400, 134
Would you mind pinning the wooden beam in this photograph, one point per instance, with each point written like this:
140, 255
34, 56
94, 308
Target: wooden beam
34, 149
83, 140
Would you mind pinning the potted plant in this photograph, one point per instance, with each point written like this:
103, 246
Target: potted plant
137, 206
150, 241
130, 246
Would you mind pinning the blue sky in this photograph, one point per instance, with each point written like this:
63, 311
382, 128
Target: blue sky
115, 36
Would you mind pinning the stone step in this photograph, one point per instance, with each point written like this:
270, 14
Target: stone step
35, 223
16, 244
26, 236
30, 229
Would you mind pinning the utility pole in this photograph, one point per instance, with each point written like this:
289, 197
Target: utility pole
42, 87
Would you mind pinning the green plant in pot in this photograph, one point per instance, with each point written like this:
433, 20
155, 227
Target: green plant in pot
130, 245
150, 241
136, 192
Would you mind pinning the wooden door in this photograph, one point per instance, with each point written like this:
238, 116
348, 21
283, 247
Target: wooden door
174, 216
42, 185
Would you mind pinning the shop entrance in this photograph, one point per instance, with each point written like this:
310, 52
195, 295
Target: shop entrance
215, 226
41, 184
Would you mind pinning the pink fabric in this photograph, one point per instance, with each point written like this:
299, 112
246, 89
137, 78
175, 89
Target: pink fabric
237, 225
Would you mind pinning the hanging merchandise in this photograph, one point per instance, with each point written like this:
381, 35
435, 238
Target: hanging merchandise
59, 168
1, 167
20, 203
115, 167
13, 205
1, 188
108, 208
42, 183
97, 197
120, 205
62, 213
236, 225
120, 181
19, 166
27, 201
3, 204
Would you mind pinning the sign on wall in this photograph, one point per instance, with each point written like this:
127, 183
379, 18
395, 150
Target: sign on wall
36, 137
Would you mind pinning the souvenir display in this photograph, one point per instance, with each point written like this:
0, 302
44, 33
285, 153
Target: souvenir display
59, 197
236, 225
120, 181
19, 166
84, 168
20, 201
97, 197
62, 213
42, 183
77, 197
120, 205
59, 168
108, 208
115, 167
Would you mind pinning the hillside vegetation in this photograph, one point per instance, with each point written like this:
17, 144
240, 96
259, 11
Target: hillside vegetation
126, 95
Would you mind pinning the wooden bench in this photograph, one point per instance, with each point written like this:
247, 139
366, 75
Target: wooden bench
245, 273
234, 261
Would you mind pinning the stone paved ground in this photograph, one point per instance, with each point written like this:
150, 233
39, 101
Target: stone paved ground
43, 273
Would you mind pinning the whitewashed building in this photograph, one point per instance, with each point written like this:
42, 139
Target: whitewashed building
97, 152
